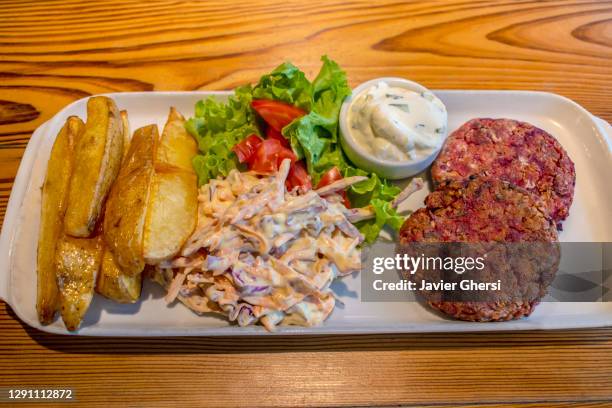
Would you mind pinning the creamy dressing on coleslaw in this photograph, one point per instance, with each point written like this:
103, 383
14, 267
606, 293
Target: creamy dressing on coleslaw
397, 124
262, 254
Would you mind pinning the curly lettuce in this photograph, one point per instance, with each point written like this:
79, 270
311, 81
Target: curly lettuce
217, 127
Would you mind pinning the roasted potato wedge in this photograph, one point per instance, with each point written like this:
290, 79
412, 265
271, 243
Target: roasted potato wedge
176, 147
97, 160
115, 284
141, 151
126, 207
112, 282
77, 261
172, 213
54, 194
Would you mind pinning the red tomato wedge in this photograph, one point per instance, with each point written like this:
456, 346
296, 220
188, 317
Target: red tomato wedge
272, 133
245, 149
298, 177
269, 155
276, 114
329, 177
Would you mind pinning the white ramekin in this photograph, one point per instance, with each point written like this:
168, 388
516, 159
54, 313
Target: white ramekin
388, 169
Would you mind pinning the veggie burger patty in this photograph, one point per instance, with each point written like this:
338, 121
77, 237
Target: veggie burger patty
514, 151
492, 214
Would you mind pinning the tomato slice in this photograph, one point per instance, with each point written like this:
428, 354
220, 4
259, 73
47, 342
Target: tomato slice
298, 177
329, 177
245, 149
276, 114
285, 154
269, 155
272, 133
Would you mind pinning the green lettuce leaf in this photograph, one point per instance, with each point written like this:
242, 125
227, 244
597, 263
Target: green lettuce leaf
385, 215
316, 134
217, 127
287, 84
330, 88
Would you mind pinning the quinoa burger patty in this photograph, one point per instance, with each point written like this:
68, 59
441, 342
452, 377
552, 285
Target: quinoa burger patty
495, 217
512, 151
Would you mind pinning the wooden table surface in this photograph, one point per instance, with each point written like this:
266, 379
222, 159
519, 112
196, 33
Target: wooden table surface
54, 52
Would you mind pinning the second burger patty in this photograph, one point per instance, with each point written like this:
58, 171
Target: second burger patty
514, 151
493, 215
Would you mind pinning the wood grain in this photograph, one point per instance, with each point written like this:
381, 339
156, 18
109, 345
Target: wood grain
54, 52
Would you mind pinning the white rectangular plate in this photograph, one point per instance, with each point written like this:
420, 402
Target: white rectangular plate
586, 139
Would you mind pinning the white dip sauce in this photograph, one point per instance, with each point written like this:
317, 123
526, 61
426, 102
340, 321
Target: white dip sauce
397, 124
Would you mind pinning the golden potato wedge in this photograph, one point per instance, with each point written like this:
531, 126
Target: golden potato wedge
172, 213
112, 282
97, 161
126, 207
54, 194
142, 150
116, 285
176, 147
77, 261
